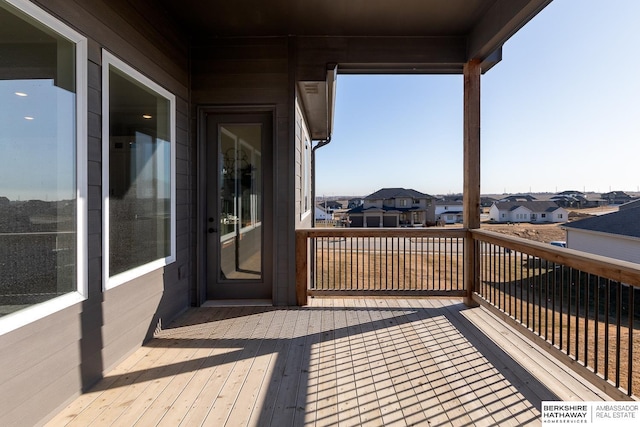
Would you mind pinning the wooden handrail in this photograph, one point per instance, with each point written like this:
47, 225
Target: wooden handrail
382, 232
621, 271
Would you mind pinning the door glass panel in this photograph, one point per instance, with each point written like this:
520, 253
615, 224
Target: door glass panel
240, 203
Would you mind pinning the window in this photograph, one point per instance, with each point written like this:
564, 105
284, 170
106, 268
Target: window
138, 173
307, 173
241, 173
303, 146
42, 166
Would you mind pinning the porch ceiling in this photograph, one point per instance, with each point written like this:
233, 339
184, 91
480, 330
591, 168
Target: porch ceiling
362, 37
483, 25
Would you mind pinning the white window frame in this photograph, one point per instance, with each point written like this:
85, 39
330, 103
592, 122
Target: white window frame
109, 60
35, 312
236, 142
253, 208
305, 144
307, 202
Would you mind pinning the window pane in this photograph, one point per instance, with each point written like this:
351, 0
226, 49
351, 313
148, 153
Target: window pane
139, 174
240, 201
37, 165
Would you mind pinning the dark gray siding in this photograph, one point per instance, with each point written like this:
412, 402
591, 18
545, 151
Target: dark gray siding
248, 72
47, 363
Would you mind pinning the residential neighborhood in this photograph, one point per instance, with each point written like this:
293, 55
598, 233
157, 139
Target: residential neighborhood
612, 229
401, 207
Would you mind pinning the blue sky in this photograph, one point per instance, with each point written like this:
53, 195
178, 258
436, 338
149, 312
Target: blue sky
561, 111
35, 145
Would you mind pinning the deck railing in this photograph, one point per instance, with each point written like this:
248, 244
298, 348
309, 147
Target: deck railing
583, 306
382, 261
584, 309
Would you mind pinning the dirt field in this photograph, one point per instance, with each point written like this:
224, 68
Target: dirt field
546, 232
539, 232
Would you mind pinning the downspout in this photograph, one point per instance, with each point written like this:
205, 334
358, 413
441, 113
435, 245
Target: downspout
320, 144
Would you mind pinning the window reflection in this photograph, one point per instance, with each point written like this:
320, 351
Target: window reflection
139, 174
38, 239
240, 201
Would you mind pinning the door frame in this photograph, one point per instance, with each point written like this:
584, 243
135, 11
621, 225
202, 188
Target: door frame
199, 296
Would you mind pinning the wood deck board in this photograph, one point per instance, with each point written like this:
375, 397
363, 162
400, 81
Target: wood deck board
185, 398
483, 385
369, 410
208, 385
284, 405
347, 362
230, 350
308, 380
173, 377
238, 372
261, 370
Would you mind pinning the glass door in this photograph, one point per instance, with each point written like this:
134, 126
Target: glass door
238, 266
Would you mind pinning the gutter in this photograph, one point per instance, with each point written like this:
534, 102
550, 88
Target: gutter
332, 76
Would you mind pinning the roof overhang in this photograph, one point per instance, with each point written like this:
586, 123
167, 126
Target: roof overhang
318, 100
361, 37
456, 31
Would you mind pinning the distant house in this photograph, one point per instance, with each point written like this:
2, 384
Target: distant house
322, 215
330, 205
536, 211
572, 199
518, 198
355, 202
394, 207
449, 212
616, 197
614, 235
451, 198
487, 202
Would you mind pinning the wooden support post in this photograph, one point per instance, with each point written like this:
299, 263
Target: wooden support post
471, 198
302, 273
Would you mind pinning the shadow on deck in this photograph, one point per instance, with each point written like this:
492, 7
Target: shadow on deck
335, 362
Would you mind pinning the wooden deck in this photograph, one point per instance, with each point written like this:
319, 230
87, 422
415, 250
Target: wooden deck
346, 362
